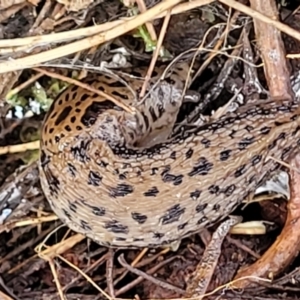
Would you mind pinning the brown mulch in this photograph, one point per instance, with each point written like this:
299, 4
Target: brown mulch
39, 258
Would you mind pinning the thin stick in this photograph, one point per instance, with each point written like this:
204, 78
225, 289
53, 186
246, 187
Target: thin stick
88, 278
37, 59
19, 88
87, 87
138, 272
34, 41
56, 280
156, 53
20, 148
257, 15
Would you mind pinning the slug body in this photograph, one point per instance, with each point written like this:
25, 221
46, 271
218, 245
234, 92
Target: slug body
123, 180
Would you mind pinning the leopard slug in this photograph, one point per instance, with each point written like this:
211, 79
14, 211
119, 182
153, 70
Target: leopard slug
123, 180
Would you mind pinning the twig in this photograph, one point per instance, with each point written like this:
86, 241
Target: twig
200, 279
124, 27
19, 88
162, 284
27, 222
89, 279
56, 280
5, 14
218, 45
87, 87
34, 41
133, 264
109, 272
272, 50
156, 53
287, 246
95, 264
257, 15
34, 60
20, 148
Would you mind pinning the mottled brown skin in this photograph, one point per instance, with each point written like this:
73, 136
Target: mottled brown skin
105, 179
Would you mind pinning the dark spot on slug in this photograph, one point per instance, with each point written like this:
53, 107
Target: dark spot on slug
121, 190
85, 226
202, 167
152, 192
62, 116
172, 214
201, 207
241, 170
116, 227
224, 155
189, 153
195, 194
245, 142
138, 217
94, 178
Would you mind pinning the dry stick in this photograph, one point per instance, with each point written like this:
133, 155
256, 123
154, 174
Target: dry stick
36, 59
49, 252
28, 221
33, 60
19, 88
89, 268
287, 245
61, 247
42, 15
151, 271
109, 272
156, 53
28, 244
54, 251
5, 297
87, 87
5, 14
34, 41
271, 46
288, 242
9, 50
238, 244
257, 15
162, 284
213, 54
88, 278
56, 280
58, 11
20, 148
7, 290
217, 47
133, 264
200, 279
